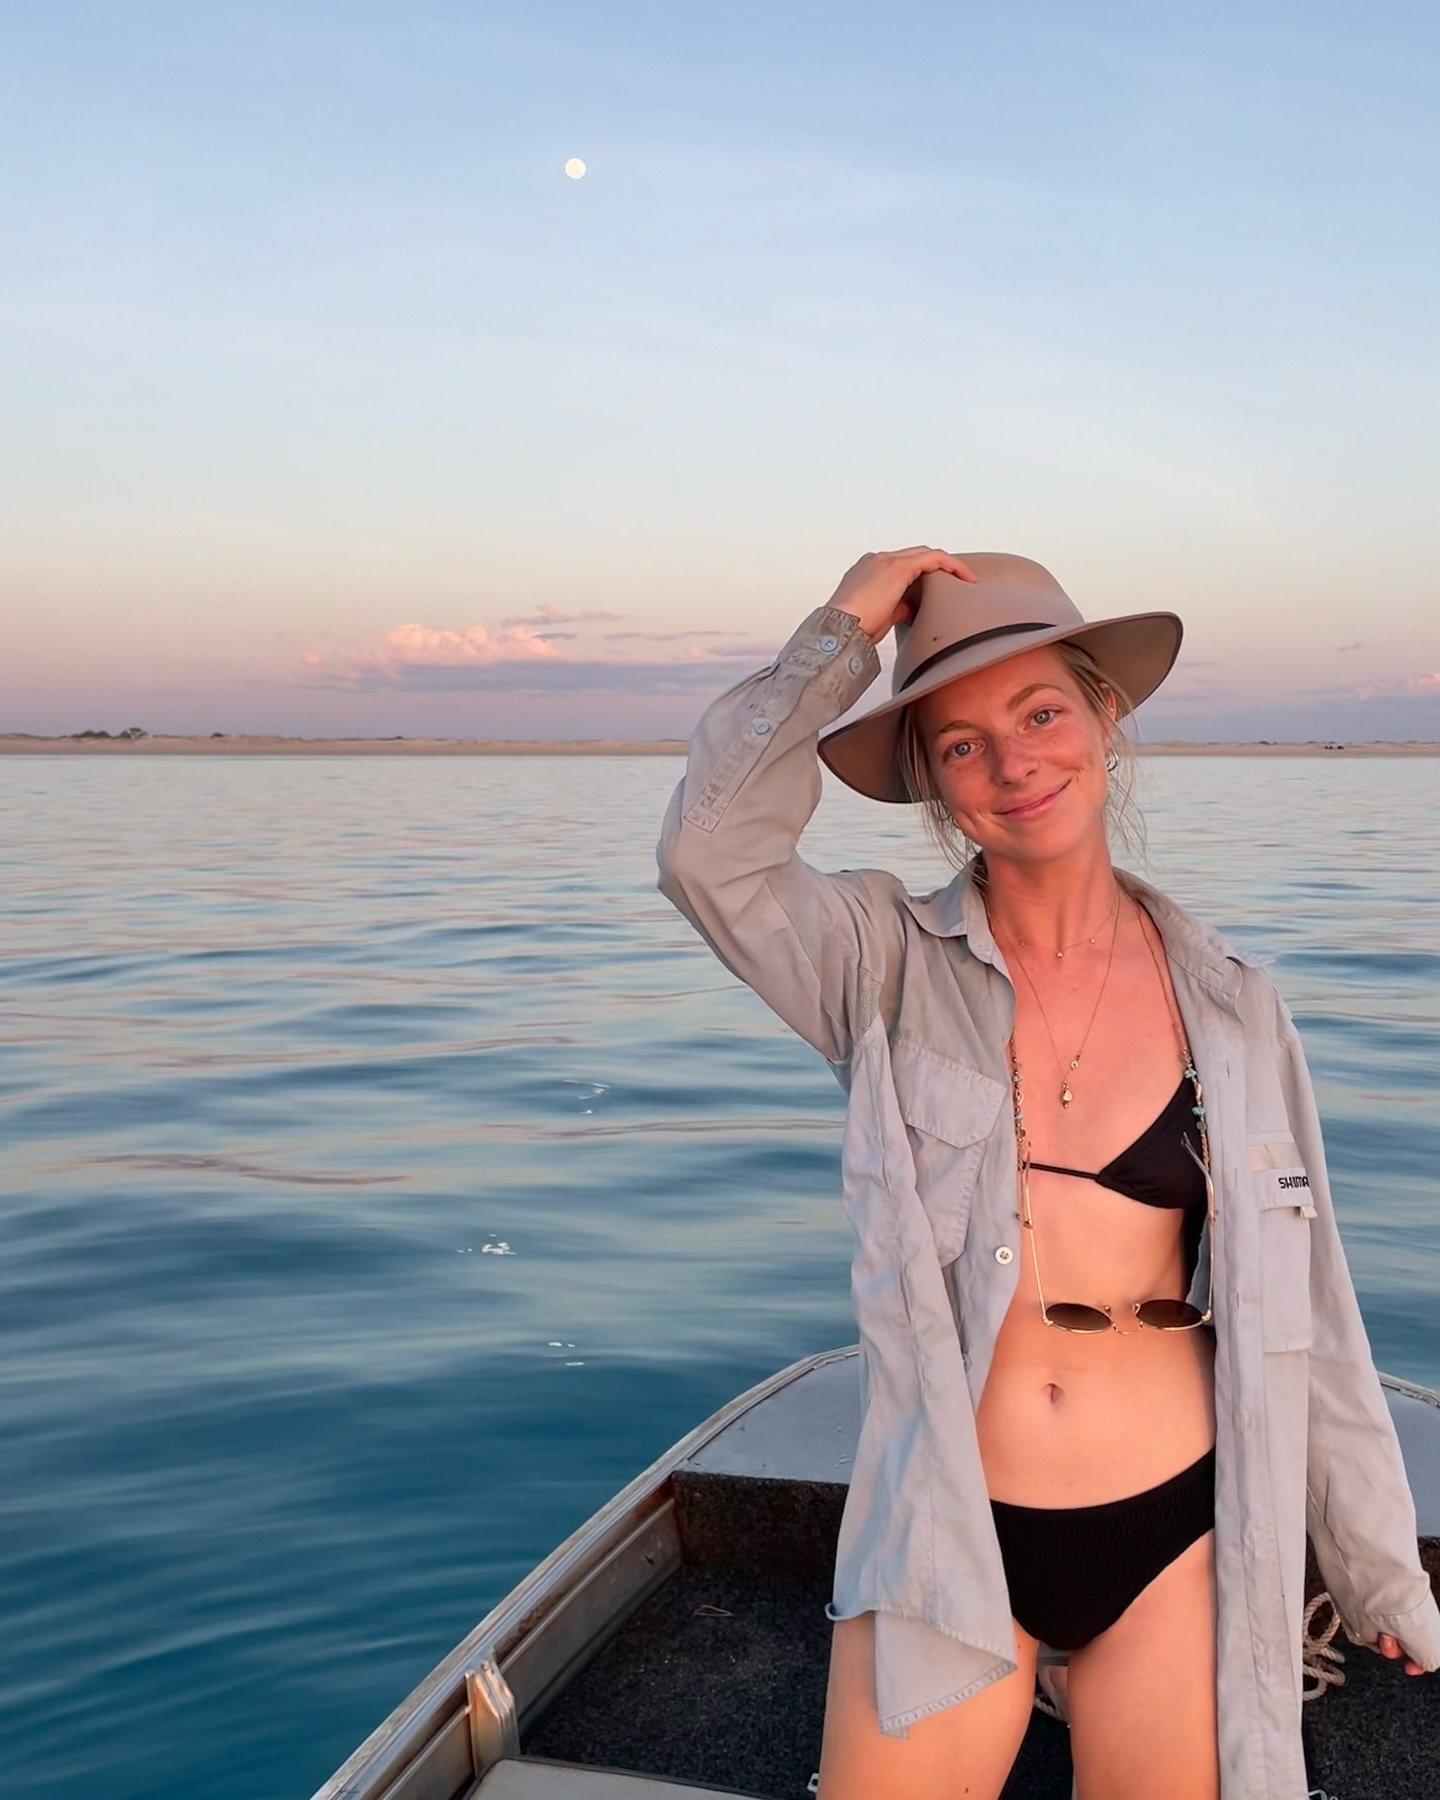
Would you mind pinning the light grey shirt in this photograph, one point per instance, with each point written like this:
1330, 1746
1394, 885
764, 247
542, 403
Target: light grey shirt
911, 1003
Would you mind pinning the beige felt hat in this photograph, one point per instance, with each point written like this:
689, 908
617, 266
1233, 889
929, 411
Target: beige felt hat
959, 626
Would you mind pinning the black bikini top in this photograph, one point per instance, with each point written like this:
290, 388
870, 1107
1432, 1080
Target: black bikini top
1156, 1170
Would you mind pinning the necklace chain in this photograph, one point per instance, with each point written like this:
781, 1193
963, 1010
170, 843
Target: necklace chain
1114, 907
1066, 1093
1192, 1074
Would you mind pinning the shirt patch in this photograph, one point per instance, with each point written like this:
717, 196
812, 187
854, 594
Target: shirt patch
1292, 1185
1282, 1181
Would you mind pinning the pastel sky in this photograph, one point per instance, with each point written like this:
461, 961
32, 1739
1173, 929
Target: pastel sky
332, 405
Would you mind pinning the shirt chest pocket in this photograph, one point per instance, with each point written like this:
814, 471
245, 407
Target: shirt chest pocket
1282, 1193
950, 1110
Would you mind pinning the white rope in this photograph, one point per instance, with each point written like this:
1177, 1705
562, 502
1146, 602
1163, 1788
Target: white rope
1315, 1651
1317, 1655
1047, 1695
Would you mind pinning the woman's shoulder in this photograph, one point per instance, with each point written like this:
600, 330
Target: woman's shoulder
1188, 927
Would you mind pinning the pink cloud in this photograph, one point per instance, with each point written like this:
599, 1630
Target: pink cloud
549, 614
1402, 684
413, 646
485, 657
435, 646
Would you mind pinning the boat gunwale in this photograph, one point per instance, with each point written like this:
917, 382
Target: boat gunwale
1413, 1389
404, 1733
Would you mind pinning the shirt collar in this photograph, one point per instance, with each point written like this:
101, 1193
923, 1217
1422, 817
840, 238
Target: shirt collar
957, 910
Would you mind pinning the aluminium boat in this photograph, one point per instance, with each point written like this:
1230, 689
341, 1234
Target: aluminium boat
676, 1645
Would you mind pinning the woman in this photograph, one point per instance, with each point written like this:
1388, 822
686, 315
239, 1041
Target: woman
1053, 1071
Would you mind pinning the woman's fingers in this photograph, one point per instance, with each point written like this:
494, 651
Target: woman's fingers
951, 560
1391, 1647
880, 589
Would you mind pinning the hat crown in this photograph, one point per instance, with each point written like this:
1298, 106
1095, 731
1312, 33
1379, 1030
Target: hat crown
1009, 594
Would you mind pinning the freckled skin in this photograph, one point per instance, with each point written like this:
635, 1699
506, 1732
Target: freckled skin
1007, 752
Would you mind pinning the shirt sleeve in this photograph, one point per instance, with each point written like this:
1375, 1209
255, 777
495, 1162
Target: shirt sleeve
1360, 1512
815, 947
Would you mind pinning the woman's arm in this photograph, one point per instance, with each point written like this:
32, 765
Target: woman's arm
812, 946
815, 947
1359, 1510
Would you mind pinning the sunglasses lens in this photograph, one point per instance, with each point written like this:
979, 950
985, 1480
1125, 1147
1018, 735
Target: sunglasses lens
1169, 1315
1070, 1316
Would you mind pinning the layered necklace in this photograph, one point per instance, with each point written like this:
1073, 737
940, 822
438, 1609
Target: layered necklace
1066, 1093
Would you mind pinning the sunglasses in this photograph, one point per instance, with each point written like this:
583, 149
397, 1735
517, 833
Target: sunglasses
1159, 1315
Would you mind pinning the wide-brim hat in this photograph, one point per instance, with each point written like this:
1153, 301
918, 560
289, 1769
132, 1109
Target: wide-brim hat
958, 626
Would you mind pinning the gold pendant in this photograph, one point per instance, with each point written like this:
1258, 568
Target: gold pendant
1065, 1095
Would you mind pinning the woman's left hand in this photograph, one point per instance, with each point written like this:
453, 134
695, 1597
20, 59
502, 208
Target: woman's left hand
1389, 1646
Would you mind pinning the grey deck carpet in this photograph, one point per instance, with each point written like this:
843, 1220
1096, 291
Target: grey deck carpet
720, 1679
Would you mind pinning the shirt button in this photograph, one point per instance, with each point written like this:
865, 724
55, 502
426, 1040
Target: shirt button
761, 727
1004, 1254
829, 643
856, 664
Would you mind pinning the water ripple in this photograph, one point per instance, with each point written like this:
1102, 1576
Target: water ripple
391, 1174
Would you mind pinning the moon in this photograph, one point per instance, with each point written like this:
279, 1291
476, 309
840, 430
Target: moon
575, 168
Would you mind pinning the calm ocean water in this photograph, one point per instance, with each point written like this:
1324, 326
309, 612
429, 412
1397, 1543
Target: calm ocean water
389, 1174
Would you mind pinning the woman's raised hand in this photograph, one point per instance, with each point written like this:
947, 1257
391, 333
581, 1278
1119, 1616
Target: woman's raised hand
877, 589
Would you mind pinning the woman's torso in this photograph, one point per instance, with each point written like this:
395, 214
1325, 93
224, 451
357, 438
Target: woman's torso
1071, 1419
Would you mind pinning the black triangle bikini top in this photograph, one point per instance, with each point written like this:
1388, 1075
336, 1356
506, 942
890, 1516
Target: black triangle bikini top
1156, 1169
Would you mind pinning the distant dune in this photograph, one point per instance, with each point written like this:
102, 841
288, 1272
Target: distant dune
25, 744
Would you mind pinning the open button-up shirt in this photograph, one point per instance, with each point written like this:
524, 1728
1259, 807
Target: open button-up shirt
911, 1003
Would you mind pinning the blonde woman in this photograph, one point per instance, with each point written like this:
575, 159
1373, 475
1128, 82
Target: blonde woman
1112, 1362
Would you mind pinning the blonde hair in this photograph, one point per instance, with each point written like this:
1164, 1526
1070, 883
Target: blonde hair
1122, 818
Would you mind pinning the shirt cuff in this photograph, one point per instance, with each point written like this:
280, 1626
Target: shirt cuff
832, 644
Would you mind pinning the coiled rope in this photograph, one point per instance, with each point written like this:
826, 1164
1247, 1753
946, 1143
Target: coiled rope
1316, 1652
1318, 1657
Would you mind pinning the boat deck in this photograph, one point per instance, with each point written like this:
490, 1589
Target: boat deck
676, 1645
718, 1680
688, 1691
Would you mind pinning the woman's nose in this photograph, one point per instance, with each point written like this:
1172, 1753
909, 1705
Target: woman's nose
1014, 759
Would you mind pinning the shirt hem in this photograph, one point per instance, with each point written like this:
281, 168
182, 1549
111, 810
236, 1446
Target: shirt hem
894, 1725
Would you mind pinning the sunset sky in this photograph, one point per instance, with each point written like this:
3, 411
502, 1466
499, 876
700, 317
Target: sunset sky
333, 406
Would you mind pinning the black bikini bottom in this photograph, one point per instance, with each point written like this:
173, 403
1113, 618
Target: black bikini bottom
1072, 1570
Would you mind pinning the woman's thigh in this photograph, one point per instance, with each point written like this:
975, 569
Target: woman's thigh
1141, 1695
966, 1749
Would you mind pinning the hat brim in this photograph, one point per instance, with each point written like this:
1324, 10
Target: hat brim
1136, 652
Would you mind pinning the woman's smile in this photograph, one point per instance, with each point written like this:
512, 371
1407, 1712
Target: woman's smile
1033, 809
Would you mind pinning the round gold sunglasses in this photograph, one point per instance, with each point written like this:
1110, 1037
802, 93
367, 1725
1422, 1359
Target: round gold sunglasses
1158, 1314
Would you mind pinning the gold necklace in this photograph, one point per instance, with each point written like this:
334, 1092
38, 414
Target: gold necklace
1114, 907
1066, 1094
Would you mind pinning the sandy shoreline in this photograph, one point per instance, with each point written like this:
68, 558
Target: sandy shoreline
23, 744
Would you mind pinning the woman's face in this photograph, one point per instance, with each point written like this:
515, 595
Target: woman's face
1019, 755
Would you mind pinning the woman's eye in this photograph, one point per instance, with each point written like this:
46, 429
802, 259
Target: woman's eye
955, 748
1042, 713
